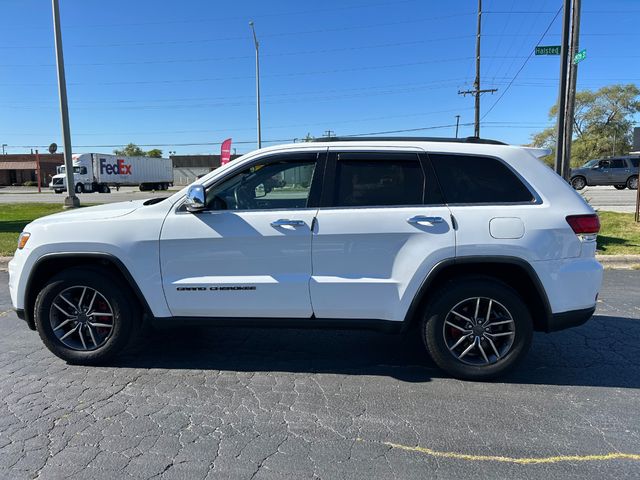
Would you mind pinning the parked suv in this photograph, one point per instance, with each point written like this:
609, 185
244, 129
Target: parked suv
621, 172
474, 243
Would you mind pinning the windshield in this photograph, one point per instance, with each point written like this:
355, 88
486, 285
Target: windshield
82, 170
591, 163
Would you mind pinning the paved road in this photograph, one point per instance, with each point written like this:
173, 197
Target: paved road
264, 404
608, 198
603, 198
31, 195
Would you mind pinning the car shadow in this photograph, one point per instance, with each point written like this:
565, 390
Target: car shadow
601, 353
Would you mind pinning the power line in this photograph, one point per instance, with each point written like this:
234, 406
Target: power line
506, 89
243, 37
244, 57
221, 19
242, 142
244, 77
297, 125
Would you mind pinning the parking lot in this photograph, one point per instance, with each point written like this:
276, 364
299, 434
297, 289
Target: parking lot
251, 403
603, 198
31, 195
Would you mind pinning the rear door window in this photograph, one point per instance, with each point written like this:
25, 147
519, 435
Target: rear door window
618, 163
378, 180
470, 179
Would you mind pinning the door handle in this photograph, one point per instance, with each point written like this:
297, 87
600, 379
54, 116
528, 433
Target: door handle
285, 222
419, 219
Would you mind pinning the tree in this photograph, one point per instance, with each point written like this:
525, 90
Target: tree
602, 124
131, 150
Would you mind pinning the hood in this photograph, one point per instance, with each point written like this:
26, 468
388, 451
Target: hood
99, 212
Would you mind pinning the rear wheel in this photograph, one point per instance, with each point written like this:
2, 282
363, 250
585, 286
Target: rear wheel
632, 183
85, 316
620, 187
578, 183
477, 329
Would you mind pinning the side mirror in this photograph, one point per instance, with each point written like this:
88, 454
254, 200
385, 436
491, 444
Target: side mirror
195, 199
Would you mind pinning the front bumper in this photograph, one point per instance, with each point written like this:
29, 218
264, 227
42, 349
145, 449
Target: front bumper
574, 318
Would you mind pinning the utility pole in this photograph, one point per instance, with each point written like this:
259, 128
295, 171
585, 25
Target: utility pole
476, 84
71, 201
562, 94
255, 41
329, 133
457, 124
571, 89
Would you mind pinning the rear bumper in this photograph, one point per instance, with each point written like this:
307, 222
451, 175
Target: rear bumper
573, 318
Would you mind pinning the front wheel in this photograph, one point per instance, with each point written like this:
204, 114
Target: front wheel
620, 187
84, 316
578, 183
477, 329
79, 188
632, 183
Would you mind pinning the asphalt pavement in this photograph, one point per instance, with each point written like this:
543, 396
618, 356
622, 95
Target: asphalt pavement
610, 199
602, 198
264, 404
31, 195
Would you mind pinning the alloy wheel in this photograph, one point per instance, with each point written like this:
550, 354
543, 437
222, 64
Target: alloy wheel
81, 318
578, 183
479, 331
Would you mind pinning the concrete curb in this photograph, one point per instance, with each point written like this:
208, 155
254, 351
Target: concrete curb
619, 262
614, 262
3, 263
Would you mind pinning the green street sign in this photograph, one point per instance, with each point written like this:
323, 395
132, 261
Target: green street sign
581, 55
548, 50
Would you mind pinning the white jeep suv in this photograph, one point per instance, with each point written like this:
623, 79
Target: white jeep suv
474, 242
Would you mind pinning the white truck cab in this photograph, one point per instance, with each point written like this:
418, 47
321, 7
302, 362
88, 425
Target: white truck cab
474, 242
82, 168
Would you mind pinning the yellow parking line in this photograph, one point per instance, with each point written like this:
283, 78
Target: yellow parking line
521, 461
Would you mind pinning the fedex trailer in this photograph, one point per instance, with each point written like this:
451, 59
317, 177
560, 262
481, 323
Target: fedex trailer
97, 172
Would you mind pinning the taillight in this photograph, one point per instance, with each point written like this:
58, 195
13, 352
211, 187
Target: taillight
584, 224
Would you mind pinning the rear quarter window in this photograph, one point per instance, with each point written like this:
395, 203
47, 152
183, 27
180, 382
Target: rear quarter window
635, 162
470, 179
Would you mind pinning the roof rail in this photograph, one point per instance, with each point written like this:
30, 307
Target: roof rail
485, 141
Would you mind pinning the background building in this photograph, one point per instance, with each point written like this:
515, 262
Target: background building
187, 168
16, 169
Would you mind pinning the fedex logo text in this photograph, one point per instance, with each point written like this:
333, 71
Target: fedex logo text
118, 168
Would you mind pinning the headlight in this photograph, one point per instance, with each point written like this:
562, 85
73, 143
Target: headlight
23, 239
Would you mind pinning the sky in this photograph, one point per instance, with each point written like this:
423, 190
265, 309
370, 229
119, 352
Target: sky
180, 76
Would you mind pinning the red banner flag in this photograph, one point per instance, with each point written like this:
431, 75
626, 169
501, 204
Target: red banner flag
225, 152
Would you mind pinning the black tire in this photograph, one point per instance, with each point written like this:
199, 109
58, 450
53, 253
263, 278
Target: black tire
455, 293
104, 189
143, 187
58, 191
79, 188
579, 182
632, 183
620, 187
125, 319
